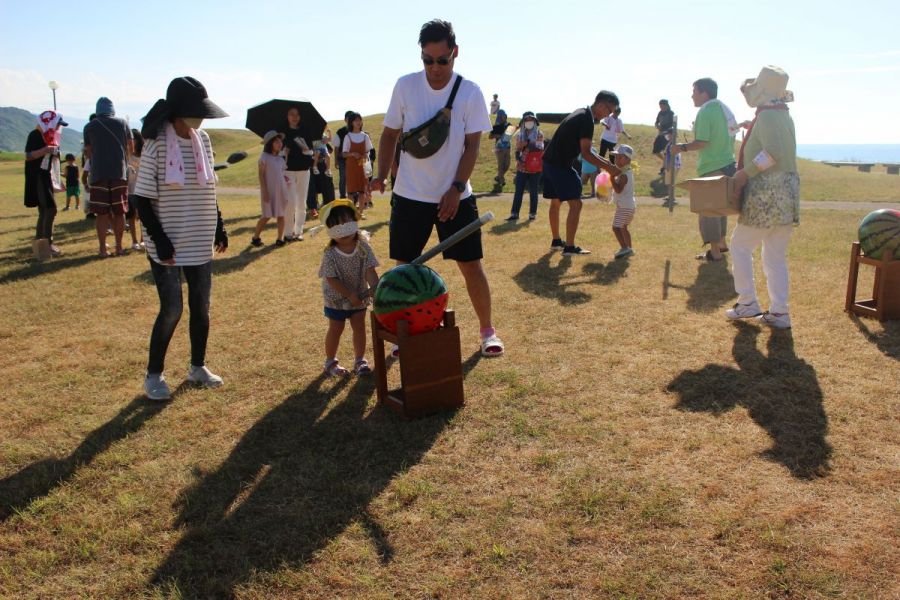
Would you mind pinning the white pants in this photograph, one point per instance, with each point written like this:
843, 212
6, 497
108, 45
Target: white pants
744, 241
295, 211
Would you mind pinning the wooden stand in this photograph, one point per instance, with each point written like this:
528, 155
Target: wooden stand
431, 377
885, 302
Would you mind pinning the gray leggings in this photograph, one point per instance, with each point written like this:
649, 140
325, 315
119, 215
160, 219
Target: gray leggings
713, 229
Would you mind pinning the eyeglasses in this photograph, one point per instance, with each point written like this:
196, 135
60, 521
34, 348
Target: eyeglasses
441, 60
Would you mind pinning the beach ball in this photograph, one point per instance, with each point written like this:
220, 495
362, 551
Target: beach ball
880, 231
412, 293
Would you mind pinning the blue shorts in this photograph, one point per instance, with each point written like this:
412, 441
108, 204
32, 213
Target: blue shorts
561, 183
336, 314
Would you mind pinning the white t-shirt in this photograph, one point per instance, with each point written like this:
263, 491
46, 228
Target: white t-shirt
356, 138
412, 103
625, 198
614, 127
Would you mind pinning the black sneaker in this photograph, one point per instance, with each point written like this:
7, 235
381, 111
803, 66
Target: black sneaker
279, 243
256, 242
557, 244
573, 250
512, 218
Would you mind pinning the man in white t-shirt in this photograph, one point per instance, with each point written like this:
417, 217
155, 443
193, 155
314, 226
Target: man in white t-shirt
495, 105
435, 190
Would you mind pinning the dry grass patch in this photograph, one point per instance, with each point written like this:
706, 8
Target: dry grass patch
627, 446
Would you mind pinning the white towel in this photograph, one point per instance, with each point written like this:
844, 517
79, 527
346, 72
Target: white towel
175, 162
733, 126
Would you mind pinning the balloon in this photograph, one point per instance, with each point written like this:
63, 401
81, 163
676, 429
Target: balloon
603, 180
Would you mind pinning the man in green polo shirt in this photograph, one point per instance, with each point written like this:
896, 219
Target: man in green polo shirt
714, 130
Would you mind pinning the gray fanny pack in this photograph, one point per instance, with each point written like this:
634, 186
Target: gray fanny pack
426, 139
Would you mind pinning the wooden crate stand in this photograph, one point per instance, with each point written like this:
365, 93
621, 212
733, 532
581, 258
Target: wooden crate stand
431, 378
884, 304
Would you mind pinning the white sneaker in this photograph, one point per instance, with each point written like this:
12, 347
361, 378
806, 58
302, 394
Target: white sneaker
744, 311
204, 377
779, 321
137, 247
156, 388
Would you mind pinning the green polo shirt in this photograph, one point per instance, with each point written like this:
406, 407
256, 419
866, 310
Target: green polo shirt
712, 128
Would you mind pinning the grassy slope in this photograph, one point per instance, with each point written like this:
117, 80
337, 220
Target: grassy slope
819, 182
630, 445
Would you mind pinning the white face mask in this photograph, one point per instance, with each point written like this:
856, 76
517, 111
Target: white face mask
192, 122
529, 125
343, 230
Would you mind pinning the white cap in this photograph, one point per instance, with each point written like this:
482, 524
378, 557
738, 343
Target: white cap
625, 150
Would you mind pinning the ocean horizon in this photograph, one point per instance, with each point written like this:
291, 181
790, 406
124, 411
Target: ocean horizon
869, 153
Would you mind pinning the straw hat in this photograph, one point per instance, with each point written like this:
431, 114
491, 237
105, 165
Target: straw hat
270, 135
769, 85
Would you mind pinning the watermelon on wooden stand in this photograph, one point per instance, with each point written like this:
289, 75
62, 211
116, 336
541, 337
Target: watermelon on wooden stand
412, 293
880, 231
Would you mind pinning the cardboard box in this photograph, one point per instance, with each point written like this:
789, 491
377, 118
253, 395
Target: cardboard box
712, 196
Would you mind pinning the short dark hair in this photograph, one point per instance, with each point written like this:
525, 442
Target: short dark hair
708, 86
70, 156
437, 30
607, 96
347, 114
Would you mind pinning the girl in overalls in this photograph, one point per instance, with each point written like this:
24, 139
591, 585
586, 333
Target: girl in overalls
355, 150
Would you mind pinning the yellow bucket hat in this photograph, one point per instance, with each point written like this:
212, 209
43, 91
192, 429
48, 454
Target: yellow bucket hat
325, 211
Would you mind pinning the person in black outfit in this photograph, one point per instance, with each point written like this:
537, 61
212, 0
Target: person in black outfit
664, 122
40, 151
562, 182
339, 160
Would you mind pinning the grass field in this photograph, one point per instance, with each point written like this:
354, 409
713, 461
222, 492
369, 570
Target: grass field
631, 443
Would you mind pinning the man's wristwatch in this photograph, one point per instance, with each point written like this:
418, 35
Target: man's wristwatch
683, 147
460, 186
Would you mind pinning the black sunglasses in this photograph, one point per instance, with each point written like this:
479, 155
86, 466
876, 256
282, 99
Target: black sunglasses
441, 60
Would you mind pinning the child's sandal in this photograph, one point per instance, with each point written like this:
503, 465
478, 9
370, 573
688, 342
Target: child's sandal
333, 369
361, 367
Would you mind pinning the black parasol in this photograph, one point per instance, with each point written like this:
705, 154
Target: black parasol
272, 115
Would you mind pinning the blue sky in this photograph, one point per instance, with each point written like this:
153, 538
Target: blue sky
844, 60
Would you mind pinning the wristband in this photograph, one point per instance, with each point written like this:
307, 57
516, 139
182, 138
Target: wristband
683, 147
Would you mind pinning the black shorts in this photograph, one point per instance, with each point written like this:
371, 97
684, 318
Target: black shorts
606, 146
561, 183
412, 222
660, 143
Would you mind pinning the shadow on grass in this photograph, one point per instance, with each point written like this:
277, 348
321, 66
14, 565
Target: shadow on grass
780, 392
40, 478
713, 286
296, 480
888, 341
609, 273
509, 226
36, 269
220, 266
541, 279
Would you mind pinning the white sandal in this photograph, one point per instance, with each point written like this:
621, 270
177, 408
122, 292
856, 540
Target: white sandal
492, 346
333, 369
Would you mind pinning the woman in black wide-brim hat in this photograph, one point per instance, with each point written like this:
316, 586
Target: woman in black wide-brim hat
175, 195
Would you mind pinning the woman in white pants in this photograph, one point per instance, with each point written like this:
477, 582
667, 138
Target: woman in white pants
767, 175
299, 161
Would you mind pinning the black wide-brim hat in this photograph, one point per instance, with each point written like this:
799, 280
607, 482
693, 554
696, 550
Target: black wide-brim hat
185, 97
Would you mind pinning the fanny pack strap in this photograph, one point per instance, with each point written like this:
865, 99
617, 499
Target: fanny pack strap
453, 92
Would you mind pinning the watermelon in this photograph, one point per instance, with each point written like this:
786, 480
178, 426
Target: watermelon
880, 231
412, 293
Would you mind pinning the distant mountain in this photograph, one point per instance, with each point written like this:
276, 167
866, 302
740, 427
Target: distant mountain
16, 124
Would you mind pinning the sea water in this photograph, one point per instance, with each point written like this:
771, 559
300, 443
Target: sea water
868, 153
